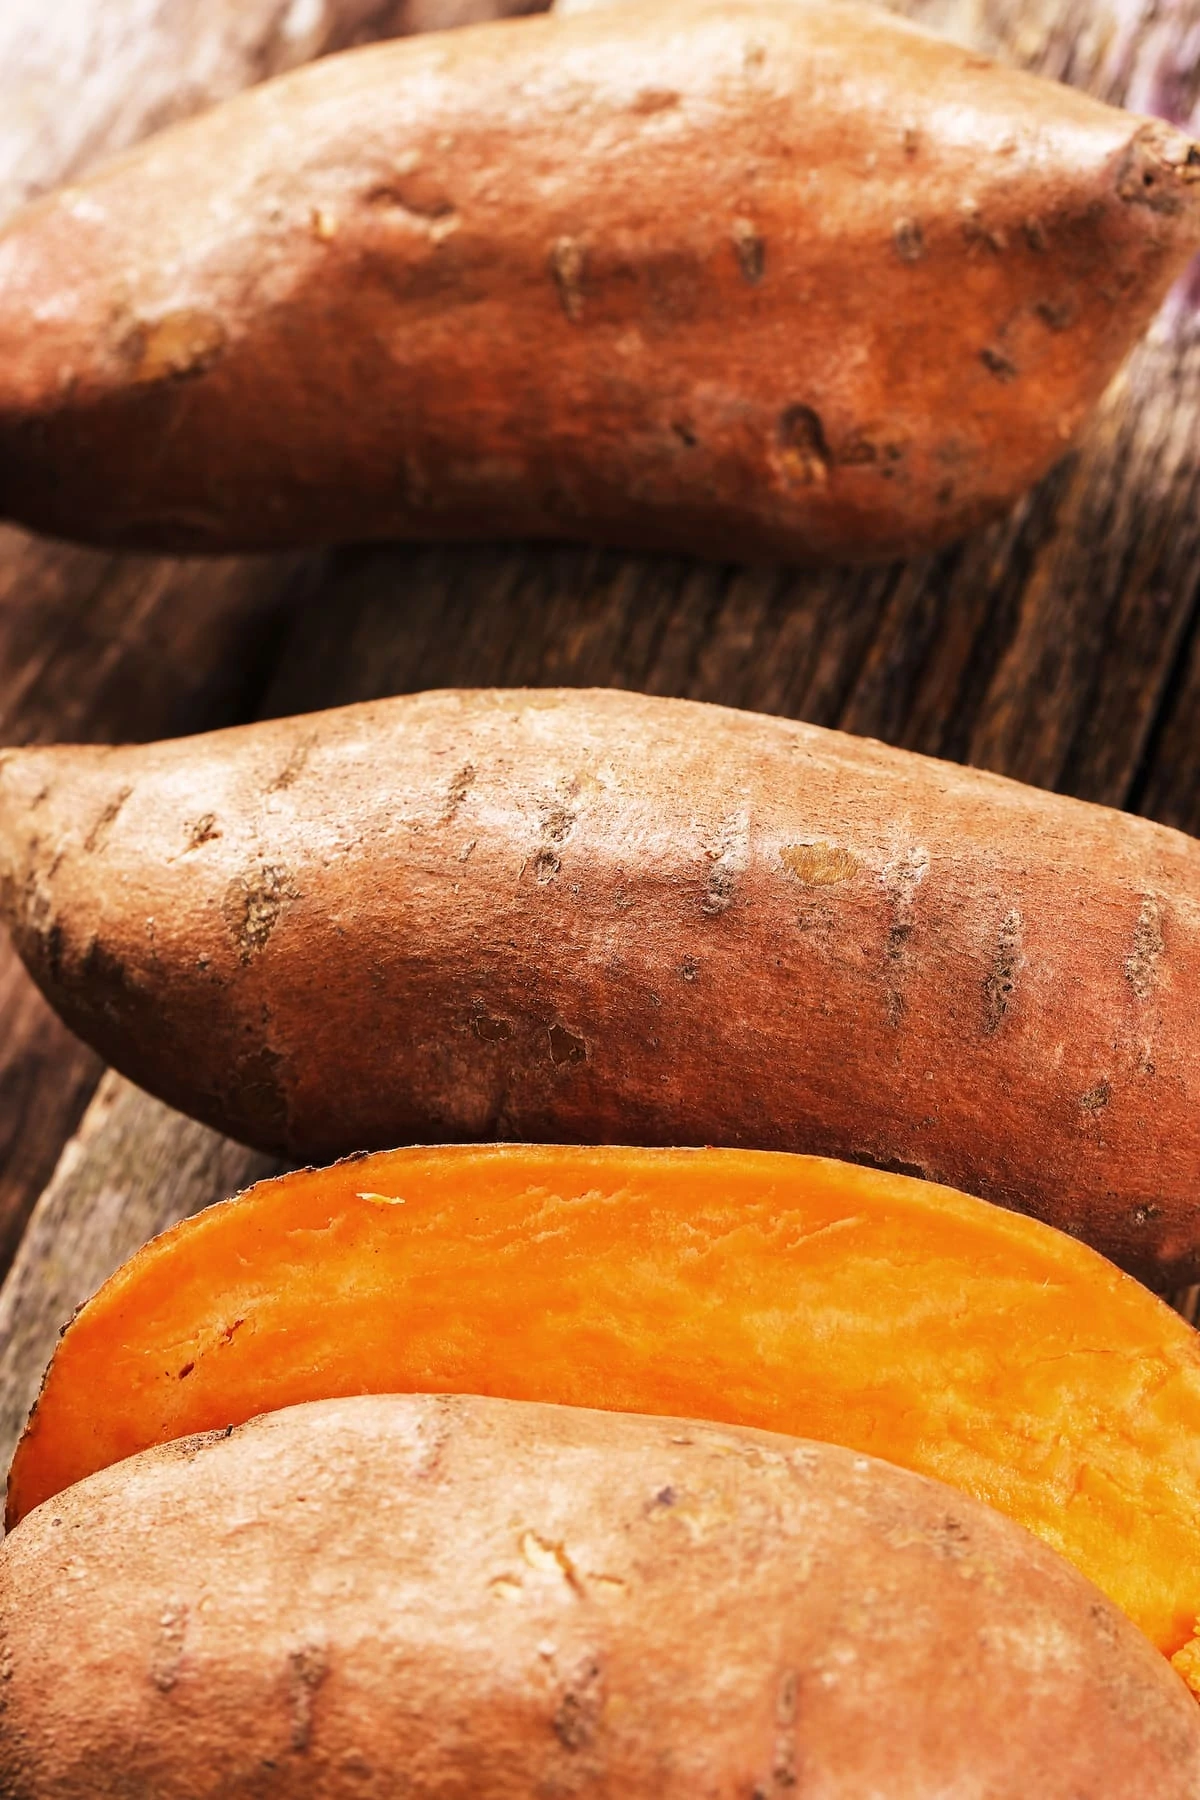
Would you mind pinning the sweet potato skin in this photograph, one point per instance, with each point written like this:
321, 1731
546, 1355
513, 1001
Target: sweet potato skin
769, 278
512, 1600
794, 1294
600, 917
76, 78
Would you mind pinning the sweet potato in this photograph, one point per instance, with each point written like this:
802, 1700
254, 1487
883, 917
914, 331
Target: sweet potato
602, 917
784, 279
894, 1317
465, 1598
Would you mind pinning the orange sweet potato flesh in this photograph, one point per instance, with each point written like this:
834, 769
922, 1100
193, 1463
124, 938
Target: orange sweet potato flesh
801, 1295
603, 917
479, 1599
785, 279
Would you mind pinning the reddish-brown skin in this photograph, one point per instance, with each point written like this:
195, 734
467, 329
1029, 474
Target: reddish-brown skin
480, 1600
768, 279
599, 917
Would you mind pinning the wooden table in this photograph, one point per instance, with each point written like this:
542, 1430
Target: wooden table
1061, 646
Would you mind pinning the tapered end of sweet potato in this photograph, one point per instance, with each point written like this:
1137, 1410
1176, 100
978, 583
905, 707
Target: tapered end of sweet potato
1160, 171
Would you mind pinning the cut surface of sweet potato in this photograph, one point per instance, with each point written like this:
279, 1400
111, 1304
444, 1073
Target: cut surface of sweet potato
799, 1294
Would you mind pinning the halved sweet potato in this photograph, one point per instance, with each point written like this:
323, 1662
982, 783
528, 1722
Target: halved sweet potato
803, 1295
475, 1600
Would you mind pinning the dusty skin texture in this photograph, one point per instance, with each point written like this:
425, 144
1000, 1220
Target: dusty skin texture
597, 917
870, 1310
81, 76
502, 1600
782, 279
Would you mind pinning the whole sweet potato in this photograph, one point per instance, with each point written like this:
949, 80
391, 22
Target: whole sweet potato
464, 1598
603, 917
789, 1293
775, 278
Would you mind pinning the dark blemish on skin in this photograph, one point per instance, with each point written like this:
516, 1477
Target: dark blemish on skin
1034, 233
665, 1497
688, 970
857, 451
490, 1030
945, 493
997, 364
293, 768
391, 194
565, 1047
729, 855
107, 980
558, 822
685, 433
910, 139
255, 1092
750, 249
977, 235
98, 835
566, 266
784, 1774
1096, 1098
654, 100
806, 455
909, 240
720, 891
185, 1371
901, 880
898, 935
1142, 964
578, 1712
1056, 315
456, 793
227, 1334
1000, 983
203, 831
307, 1669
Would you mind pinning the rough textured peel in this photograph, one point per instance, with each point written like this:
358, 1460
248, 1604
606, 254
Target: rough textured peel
886, 1314
501, 1600
784, 279
598, 916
